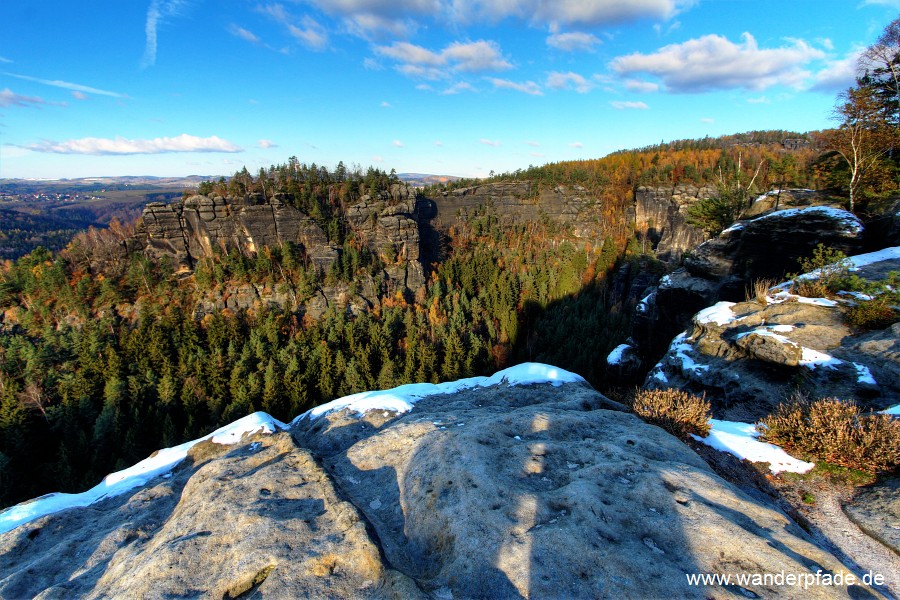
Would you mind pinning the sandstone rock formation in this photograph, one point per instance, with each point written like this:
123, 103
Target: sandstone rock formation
188, 230
516, 203
495, 492
724, 267
661, 214
749, 357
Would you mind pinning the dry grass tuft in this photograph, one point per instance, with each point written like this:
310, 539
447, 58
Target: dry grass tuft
676, 411
836, 432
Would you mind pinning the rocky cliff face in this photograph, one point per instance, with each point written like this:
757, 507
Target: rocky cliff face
188, 230
660, 213
516, 203
496, 492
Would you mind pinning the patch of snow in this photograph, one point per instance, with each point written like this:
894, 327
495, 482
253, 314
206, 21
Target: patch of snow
402, 399
863, 374
644, 305
851, 225
665, 282
783, 296
813, 358
159, 463
856, 295
734, 227
781, 328
862, 260
660, 376
768, 333
615, 357
740, 440
719, 313
680, 346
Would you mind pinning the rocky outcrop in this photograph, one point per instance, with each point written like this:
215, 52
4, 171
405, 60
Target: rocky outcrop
188, 230
724, 267
494, 492
389, 225
191, 229
748, 357
515, 203
660, 213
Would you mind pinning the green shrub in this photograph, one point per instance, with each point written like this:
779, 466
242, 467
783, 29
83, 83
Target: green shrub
836, 432
834, 273
872, 314
676, 411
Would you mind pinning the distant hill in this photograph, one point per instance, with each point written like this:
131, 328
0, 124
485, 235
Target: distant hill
423, 180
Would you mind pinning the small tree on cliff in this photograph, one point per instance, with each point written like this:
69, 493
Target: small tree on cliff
862, 138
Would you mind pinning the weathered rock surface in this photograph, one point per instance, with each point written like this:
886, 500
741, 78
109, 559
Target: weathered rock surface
498, 492
876, 510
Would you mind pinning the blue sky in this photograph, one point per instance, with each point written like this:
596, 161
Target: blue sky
458, 87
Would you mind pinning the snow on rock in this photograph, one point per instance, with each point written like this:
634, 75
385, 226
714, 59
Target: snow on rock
402, 399
615, 357
863, 374
719, 313
159, 463
813, 358
644, 305
681, 345
740, 440
734, 227
851, 224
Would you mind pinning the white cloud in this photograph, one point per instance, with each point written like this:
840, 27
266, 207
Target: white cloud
707, 120
79, 95
4, 60
533, 144
10, 98
368, 18
573, 42
157, 13
378, 158
537, 154
372, 65
419, 62
75, 87
759, 100
837, 75
527, 87
636, 85
570, 80
266, 144
456, 88
244, 34
591, 13
424, 87
120, 145
398, 144
487, 142
712, 62
576, 145
438, 143
623, 105
385, 104
306, 30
